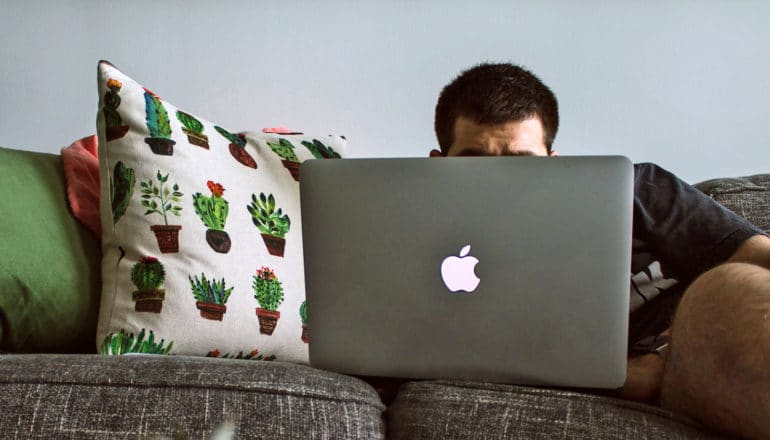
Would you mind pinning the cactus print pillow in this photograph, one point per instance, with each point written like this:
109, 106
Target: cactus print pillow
201, 236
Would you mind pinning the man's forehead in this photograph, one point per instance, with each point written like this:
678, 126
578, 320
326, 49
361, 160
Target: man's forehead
524, 137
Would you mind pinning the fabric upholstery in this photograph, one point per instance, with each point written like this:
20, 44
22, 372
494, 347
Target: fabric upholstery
467, 410
49, 277
747, 196
143, 396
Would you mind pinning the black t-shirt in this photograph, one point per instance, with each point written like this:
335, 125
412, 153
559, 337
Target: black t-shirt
678, 234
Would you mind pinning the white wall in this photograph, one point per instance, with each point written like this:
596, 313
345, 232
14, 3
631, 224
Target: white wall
685, 84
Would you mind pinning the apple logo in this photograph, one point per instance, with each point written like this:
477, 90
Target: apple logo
458, 272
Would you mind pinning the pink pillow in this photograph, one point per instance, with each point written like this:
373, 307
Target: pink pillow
81, 174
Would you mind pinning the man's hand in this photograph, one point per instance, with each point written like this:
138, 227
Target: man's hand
644, 377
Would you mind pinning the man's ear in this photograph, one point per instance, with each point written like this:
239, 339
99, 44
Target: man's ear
435, 153
553, 153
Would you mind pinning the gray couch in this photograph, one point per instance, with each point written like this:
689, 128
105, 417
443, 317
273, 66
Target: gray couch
82, 396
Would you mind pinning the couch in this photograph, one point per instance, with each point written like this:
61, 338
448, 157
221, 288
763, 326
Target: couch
54, 385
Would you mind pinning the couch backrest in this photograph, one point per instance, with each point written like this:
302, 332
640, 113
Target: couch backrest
747, 196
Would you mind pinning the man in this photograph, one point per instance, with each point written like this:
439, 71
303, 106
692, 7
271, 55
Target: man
700, 274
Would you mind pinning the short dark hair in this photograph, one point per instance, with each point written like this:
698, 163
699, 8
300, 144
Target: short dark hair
495, 94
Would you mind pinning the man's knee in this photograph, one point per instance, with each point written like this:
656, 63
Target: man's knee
720, 349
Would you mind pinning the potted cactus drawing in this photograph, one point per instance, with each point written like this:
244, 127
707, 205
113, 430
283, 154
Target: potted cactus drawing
122, 343
303, 318
254, 355
285, 150
158, 124
159, 199
148, 276
238, 147
320, 151
272, 224
114, 127
193, 129
210, 296
122, 184
269, 294
213, 213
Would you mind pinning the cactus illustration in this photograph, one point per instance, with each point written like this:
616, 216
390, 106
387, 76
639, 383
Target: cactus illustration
121, 343
303, 318
213, 212
148, 275
158, 124
210, 296
254, 355
237, 147
321, 151
159, 199
122, 184
273, 224
193, 129
269, 295
115, 129
285, 150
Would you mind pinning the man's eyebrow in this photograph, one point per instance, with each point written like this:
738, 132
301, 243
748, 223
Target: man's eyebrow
521, 153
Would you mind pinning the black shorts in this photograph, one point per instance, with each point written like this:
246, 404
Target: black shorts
654, 317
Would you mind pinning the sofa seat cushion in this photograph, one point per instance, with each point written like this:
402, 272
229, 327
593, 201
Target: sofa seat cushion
143, 396
747, 196
469, 410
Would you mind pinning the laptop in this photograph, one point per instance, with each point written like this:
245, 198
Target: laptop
501, 269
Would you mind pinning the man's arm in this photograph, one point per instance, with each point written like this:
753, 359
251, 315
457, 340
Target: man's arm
755, 250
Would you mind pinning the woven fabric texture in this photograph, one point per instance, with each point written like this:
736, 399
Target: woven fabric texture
84, 397
467, 410
747, 196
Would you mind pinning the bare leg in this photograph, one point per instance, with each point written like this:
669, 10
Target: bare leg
718, 369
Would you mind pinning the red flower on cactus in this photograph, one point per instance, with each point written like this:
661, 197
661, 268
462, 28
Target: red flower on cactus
216, 189
114, 84
147, 259
215, 353
266, 273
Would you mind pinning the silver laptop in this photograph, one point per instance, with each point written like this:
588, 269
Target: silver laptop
502, 269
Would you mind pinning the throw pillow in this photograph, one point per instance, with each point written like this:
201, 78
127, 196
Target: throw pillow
201, 231
49, 277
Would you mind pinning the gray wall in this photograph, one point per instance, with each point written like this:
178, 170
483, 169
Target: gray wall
685, 84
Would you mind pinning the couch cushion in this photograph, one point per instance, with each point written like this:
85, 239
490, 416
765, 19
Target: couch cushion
748, 196
49, 290
469, 410
89, 396
201, 229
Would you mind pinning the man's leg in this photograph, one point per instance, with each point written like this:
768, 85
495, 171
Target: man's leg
718, 368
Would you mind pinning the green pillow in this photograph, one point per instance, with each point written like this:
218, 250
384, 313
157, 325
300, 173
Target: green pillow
49, 263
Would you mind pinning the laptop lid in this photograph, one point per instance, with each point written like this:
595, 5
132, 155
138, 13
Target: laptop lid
393, 249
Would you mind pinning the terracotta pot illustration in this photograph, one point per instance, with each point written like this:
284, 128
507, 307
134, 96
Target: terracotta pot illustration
241, 155
275, 245
150, 300
305, 334
293, 168
116, 132
212, 311
218, 240
268, 319
198, 139
168, 237
162, 146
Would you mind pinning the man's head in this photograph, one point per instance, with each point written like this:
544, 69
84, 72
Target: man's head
496, 109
